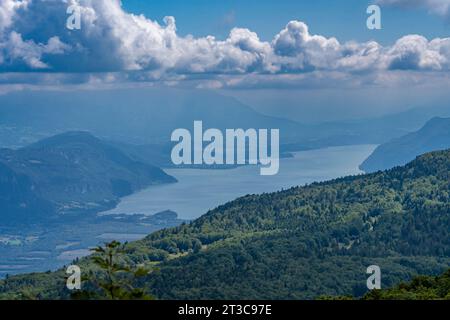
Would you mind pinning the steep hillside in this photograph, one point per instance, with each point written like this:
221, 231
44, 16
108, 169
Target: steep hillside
76, 171
19, 201
315, 240
435, 135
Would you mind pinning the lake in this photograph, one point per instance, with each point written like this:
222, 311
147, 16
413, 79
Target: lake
199, 190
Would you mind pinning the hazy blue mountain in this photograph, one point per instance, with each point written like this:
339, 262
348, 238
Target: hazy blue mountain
368, 131
435, 135
148, 117
138, 116
76, 171
155, 154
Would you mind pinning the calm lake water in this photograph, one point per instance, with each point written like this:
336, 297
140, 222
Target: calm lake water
199, 190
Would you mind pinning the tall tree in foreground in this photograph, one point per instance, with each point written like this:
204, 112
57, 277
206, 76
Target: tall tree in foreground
114, 279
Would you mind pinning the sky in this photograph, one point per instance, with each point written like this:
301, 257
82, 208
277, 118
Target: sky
306, 60
343, 19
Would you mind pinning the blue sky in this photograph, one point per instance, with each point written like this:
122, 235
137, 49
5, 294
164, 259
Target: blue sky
344, 19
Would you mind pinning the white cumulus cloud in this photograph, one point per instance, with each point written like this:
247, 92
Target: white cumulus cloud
34, 37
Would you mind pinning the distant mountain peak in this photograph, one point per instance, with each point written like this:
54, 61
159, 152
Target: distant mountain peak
66, 138
435, 123
433, 136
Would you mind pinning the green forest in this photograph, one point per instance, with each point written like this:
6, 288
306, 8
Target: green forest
302, 243
419, 288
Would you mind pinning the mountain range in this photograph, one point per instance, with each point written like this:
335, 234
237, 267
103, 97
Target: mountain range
133, 116
148, 117
300, 243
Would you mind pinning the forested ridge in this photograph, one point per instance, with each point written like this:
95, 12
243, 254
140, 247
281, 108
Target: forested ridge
300, 243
